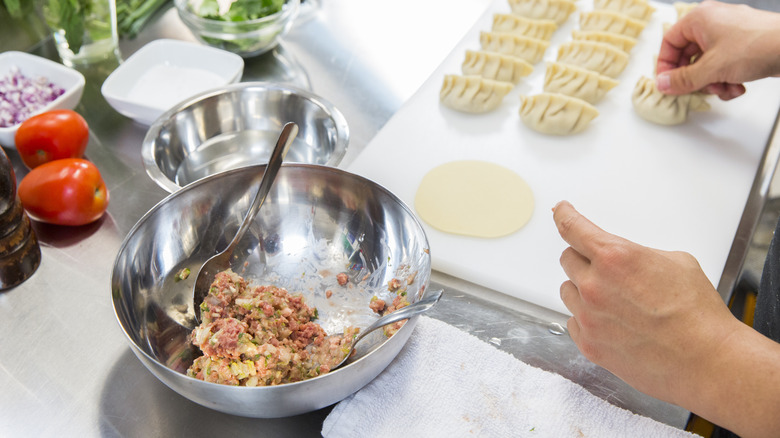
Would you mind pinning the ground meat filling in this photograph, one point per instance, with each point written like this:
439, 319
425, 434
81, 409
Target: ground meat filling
258, 336
380, 306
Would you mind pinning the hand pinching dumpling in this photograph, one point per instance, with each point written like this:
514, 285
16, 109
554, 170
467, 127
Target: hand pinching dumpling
664, 109
636, 9
608, 21
556, 114
526, 48
599, 57
518, 25
576, 82
495, 66
556, 10
618, 41
473, 94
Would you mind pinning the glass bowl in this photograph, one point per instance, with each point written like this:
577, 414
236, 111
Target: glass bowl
246, 38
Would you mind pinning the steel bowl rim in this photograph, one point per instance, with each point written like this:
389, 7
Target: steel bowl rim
147, 149
192, 186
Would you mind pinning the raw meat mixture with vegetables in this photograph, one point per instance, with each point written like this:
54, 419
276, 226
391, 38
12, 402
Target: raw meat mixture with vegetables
257, 336
400, 300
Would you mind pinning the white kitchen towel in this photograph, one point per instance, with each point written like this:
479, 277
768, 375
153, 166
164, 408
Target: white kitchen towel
448, 383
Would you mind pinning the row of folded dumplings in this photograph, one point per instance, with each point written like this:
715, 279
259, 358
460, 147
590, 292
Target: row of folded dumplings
586, 67
663, 109
508, 52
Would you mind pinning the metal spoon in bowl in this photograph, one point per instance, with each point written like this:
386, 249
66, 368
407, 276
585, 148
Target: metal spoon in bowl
224, 259
407, 312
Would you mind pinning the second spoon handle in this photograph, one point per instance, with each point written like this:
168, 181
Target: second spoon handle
403, 313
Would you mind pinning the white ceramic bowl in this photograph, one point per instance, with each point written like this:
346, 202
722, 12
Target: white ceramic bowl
33, 66
163, 73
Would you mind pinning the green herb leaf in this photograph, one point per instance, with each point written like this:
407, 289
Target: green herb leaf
209, 9
68, 15
133, 15
241, 10
14, 8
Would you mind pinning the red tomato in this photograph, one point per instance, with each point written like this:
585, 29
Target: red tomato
64, 192
50, 136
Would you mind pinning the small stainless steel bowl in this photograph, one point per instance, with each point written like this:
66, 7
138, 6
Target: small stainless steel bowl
317, 222
236, 126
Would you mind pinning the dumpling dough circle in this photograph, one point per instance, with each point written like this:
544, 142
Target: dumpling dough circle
474, 198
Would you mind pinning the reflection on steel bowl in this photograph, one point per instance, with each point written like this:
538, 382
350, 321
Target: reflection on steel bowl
318, 222
236, 126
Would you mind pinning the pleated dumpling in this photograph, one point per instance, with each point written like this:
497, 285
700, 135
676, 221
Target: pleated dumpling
636, 9
576, 82
518, 25
526, 48
556, 10
621, 42
608, 21
664, 109
473, 94
599, 57
683, 8
556, 114
495, 66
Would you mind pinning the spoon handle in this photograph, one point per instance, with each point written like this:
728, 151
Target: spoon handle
289, 131
403, 313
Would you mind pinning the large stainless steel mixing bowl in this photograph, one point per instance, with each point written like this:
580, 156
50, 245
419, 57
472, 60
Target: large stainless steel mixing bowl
237, 125
317, 222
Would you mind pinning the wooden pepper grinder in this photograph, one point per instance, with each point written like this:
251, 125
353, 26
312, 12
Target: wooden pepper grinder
20, 254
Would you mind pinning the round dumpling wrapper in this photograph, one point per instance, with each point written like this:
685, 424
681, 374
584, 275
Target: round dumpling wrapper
474, 198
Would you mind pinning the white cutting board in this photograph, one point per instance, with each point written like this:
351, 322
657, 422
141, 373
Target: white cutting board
675, 188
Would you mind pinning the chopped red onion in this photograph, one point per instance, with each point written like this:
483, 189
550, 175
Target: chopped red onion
21, 97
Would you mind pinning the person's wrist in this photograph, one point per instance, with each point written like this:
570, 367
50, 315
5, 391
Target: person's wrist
717, 347
771, 39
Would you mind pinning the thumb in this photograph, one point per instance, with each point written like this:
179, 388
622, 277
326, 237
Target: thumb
682, 80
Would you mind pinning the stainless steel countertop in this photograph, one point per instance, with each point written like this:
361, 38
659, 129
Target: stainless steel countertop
65, 366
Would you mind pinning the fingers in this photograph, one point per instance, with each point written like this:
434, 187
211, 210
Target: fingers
691, 78
675, 72
725, 91
677, 50
574, 265
570, 296
577, 230
682, 80
693, 55
571, 299
671, 56
573, 327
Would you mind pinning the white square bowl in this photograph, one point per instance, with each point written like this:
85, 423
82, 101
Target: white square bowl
165, 72
33, 66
